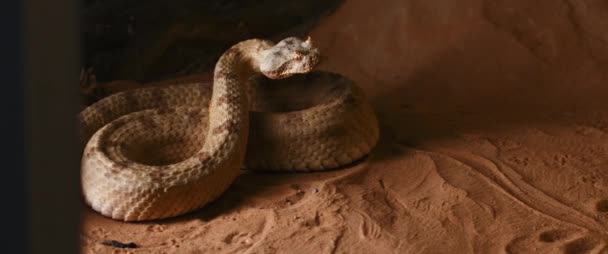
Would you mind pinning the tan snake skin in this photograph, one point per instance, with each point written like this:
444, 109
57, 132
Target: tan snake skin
164, 151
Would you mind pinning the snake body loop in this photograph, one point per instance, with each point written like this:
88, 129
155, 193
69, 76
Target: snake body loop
157, 152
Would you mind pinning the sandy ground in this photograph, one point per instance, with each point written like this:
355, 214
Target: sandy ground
494, 125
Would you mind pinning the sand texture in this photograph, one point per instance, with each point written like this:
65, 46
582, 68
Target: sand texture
494, 139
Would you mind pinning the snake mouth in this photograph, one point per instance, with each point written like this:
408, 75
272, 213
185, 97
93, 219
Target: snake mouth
297, 92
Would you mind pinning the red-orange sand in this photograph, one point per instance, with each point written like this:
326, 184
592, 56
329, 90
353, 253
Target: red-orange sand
494, 124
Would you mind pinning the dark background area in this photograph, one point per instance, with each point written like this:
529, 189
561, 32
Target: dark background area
13, 187
152, 40
51, 53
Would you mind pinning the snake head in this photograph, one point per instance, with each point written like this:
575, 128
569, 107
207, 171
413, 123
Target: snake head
288, 57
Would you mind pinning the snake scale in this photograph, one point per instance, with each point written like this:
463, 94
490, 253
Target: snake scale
160, 152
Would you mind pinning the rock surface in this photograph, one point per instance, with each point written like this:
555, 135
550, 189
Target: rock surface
494, 140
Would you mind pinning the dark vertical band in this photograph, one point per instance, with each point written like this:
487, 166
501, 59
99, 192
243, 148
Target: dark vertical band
52, 45
14, 172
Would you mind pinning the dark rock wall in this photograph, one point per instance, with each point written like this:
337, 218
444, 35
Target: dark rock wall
152, 40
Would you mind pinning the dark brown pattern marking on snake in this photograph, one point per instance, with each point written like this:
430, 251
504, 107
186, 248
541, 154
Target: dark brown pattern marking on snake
120, 165
104, 111
158, 98
223, 76
279, 72
131, 100
111, 143
203, 88
229, 126
222, 100
234, 52
295, 119
165, 110
219, 75
147, 122
158, 174
164, 167
194, 116
203, 157
117, 123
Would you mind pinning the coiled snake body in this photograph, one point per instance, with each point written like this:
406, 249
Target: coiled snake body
157, 152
